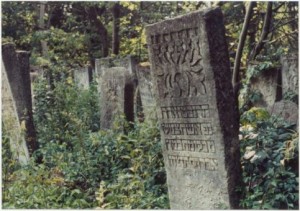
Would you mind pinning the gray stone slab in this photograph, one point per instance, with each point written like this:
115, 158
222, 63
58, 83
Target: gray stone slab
116, 78
290, 72
286, 109
18, 73
145, 87
267, 84
82, 77
117, 96
102, 64
197, 112
10, 121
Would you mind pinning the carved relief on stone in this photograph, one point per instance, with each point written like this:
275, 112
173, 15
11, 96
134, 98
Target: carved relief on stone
179, 64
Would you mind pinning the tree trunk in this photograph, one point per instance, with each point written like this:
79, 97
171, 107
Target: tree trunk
116, 28
264, 34
101, 30
238, 56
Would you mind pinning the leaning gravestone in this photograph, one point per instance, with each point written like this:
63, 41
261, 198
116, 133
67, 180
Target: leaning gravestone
10, 122
83, 77
145, 87
18, 73
290, 71
117, 96
196, 109
267, 83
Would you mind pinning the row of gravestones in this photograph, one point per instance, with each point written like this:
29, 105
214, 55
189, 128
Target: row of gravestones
273, 84
124, 87
193, 96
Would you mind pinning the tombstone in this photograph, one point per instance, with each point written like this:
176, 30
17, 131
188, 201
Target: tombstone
145, 88
286, 109
10, 122
83, 77
117, 96
116, 78
102, 64
290, 71
17, 68
267, 83
35, 73
197, 112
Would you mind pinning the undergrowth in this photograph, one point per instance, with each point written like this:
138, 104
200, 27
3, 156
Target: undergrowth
84, 167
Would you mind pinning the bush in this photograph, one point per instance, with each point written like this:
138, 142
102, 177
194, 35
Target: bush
39, 187
270, 151
77, 160
137, 177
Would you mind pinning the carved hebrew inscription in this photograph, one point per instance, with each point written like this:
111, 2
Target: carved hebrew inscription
192, 145
209, 164
178, 64
198, 128
188, 111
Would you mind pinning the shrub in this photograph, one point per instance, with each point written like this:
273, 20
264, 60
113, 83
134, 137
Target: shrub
269, 149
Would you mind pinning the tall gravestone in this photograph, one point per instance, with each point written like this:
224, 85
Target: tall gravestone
267, 84
83, 77
113, 74
117, 96
290, 72
10, 122
145, 87
196, 109
18, 73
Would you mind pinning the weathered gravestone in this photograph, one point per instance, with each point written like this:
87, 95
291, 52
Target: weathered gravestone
116, 96
116, 78
10, 122
145, 87
267, 84
83, 77
196, 109
290, 71
18, 73
102, 64
286, 109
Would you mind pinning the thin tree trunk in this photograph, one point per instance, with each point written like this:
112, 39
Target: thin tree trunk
101, 30
116, 28
238, 56
264, 34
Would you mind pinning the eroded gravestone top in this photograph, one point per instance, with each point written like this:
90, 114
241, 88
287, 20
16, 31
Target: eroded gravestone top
102, 64
196, 109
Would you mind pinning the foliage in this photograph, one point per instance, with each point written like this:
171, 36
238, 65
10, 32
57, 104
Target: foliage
84, 167
39, 187
137, 177
76, 159
269, 162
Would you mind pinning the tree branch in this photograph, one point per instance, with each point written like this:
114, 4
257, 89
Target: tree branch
264, 34
238, 56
